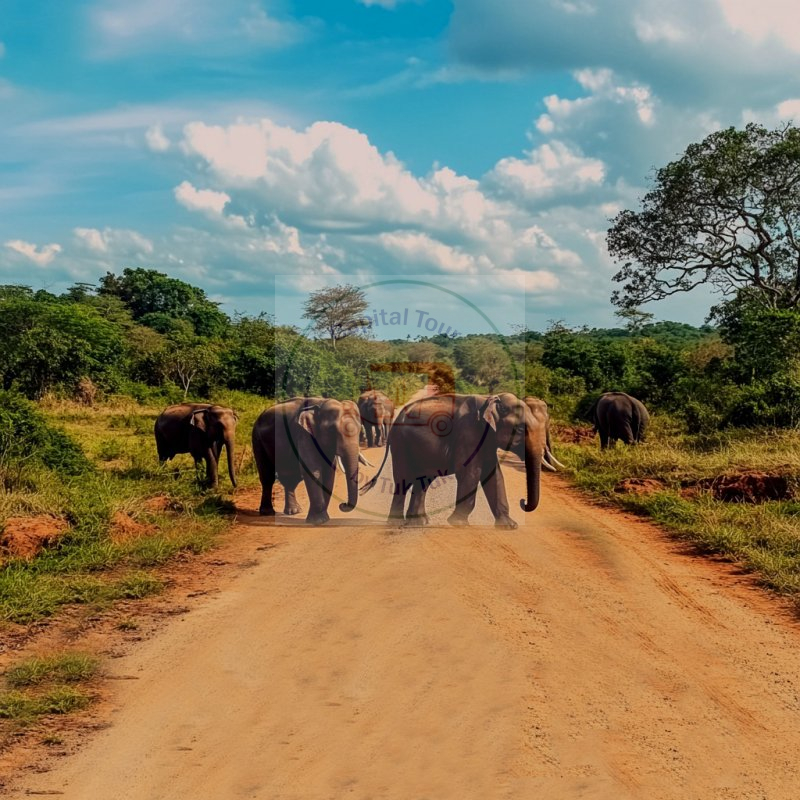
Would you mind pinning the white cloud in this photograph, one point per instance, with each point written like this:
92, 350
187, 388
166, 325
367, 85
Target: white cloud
552, 168
325, 198
765, 20
201, 199
156, 139
381, 3
420, 250
41, 256
112, 241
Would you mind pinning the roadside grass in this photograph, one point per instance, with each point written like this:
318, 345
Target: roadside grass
764, 538
126, 516
62, 668
40, 686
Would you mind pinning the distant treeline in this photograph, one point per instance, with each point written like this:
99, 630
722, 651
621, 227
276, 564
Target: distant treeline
148, 335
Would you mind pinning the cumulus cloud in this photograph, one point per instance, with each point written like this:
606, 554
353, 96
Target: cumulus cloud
687, 51
549, 169
764, 21
41, 256
156, 139
206, 200
354, 206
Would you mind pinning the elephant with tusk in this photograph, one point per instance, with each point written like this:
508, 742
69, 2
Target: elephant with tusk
304, 439
541, 416
461, 434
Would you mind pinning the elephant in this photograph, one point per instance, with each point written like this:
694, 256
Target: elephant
303, 439
377, 412
200, 429
617, 415
541, 416
460, 434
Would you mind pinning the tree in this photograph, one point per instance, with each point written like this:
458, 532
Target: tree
337, 311
191, 359
634, 318
48, 344
153, 297
483, 362
727, 214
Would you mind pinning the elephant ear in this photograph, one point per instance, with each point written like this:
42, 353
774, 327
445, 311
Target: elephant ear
199, 419
488, 412
307, 418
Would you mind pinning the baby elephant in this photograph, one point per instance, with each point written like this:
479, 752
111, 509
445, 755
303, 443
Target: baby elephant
200, 429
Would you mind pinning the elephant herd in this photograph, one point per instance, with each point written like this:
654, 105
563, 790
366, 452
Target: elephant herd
441, 435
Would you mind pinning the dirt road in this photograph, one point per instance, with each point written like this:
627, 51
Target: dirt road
581, 656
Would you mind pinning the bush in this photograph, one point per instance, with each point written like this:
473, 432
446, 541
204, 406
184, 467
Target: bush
26, 437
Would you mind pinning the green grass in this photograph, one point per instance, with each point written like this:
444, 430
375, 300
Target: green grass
764, 538
23, 707
41, 686
63, 668
90, 564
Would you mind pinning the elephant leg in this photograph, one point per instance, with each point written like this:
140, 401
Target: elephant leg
603, 439
319, 485
417, 516
396, 512
494, 488
626, 434
371, 435
211, 468
265, 464
290, 505
466, 491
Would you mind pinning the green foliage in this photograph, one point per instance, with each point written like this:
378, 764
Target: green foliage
49, 343
155, 299
726, 213
27, 440
337, 312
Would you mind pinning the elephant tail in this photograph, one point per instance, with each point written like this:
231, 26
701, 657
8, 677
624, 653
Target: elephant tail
371, 483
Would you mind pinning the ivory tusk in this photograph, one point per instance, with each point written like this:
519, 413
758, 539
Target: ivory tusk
362, 460
554, 461
339, 463
549, 466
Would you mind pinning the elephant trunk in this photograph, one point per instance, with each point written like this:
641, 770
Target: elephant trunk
533, 471
350, 462
229, 448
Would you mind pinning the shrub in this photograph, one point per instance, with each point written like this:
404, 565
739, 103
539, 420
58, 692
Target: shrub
26, 437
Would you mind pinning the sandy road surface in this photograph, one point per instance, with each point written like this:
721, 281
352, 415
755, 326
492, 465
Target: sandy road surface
581, 656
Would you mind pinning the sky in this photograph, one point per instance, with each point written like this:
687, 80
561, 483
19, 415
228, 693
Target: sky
262, 149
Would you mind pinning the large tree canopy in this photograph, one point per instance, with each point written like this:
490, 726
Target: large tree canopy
154, 299
727, 213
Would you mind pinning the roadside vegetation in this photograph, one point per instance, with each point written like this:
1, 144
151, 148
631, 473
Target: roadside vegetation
735, 494
42, 686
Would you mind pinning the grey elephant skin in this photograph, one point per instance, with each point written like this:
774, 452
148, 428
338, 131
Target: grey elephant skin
201, 429
377, 412
461, 434
618, 416
541, 416
300, 440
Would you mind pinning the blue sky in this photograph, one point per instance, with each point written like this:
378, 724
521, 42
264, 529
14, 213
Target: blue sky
484, 144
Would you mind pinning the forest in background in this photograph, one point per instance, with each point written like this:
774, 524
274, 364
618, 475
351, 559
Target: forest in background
155, 338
